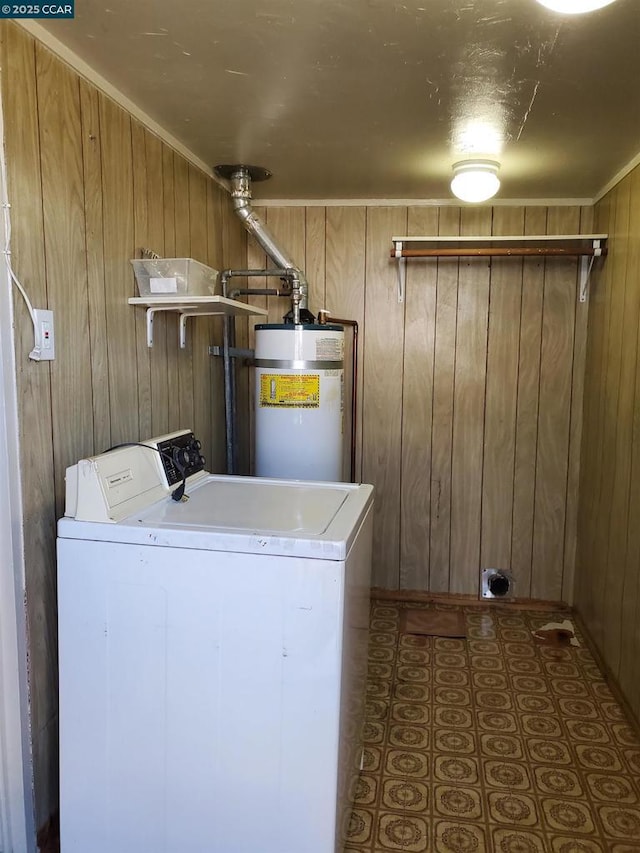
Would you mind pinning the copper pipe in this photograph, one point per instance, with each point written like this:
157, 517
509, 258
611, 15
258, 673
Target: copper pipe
323, 318
495, 252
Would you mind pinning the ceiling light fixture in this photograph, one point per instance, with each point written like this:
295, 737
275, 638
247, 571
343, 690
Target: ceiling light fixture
574, 7
475, 180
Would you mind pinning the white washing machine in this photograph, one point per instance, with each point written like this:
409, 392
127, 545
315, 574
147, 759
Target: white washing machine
212, 656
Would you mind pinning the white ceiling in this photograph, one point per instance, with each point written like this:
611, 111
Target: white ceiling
374, 98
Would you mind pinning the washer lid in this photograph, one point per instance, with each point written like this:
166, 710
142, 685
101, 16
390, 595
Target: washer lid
252, 515
270, 507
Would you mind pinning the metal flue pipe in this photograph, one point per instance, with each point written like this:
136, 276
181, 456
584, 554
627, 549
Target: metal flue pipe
240, 178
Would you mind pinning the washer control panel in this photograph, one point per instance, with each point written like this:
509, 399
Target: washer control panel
180, 456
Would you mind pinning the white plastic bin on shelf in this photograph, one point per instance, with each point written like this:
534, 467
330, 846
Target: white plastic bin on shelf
174, 276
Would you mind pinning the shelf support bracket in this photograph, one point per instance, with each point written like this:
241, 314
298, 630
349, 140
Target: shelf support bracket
402, 271
586, 265
150, 312
182, 325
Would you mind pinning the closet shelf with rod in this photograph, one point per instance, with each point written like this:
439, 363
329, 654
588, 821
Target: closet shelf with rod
587, 247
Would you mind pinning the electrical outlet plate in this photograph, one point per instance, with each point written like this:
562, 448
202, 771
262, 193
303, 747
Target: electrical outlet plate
44, 348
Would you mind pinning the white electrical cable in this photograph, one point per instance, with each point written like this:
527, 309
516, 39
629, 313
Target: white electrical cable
6, 251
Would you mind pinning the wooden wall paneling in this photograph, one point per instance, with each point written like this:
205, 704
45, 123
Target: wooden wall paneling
382, 405
630, 656
595, 533
554, 413
175, 420
599, 292
19, 96
215, 259
345, 297
256, 259
117, 211
575, 429
501, 398
92, 167
315, 270
614, 505
629, 669
314, 249
468, 410
200, 327
155, 235
442, 428
183, 248
287, 224
620, 397
242, 251
141, 240
527, 407
417, 406
65, 259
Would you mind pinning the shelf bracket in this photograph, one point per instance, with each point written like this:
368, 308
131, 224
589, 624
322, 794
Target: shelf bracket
150, 313
402, 271
182, 324
586, 265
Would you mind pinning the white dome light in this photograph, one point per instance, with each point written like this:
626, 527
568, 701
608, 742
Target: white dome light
475, 180
574, 7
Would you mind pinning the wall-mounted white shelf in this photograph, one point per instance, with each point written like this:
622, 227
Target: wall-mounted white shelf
192, 306
585, 246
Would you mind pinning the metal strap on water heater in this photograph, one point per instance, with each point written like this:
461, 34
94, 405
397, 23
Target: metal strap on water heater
294, 364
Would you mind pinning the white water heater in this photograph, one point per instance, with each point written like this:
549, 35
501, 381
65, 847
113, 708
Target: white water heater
299, 401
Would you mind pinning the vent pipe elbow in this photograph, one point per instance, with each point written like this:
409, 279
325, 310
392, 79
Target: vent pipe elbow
240, 178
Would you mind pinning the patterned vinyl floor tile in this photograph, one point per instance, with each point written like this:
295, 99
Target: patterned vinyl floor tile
492, 744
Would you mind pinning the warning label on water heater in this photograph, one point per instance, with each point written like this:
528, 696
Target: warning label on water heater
290, 391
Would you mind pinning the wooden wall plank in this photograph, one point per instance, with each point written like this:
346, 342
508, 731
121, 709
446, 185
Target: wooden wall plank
382, 405
417, 407
599, 292
200, 328
65, 258
175, 420
22, 150
215, 259
623, 333
501, 399
117, 196
629, 667
575, 429
241, 251
183, 249
554, 413
315, 251
92, 168
256, 259
599, 474
611, 583
287, 224
442, 425
141, 240
155, 235
344, 297
527, 407
468, 411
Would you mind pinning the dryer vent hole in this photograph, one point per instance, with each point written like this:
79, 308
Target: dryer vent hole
496, 584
